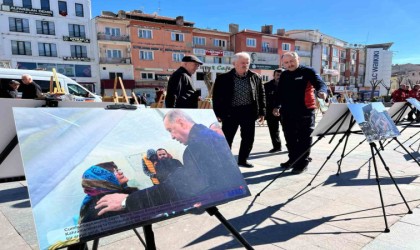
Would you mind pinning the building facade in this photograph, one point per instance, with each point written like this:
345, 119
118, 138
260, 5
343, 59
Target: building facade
46, 34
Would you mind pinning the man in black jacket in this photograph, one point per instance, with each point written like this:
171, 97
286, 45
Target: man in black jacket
239, 100
273, 121
29, 89
296, 102
181, 93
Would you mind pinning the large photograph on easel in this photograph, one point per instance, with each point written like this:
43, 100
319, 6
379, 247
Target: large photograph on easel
374, 121
94, 172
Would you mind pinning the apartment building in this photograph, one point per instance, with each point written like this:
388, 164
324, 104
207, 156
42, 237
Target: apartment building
114, 51
264, 47
46, 34
213, 48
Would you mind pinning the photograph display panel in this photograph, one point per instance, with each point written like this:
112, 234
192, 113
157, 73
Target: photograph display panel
397, 111
334, 112
374, 121
154, 168
414, 102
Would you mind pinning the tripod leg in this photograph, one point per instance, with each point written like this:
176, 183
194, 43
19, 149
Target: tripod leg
150, 237
414, 158
140, 238
326, 160
372, 146
342, 155
215, 211
393, 180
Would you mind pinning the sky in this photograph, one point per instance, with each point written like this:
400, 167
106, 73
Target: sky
358, 21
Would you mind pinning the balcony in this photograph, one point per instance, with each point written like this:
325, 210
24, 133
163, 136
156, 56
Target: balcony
106, 60
269, 50
102, 36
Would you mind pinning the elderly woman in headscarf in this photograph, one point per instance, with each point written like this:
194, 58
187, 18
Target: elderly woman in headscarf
97, 181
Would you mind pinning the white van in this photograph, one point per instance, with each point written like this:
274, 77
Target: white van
42, 78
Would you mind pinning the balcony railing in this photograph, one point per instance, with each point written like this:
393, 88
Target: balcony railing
269, 50
122, 60
113, 38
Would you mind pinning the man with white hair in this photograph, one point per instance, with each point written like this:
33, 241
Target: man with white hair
181, 92
29, 89
239, 100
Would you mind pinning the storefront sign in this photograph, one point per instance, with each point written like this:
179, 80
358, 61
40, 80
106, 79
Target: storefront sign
29, 11
214, 52
76, 39
72, 58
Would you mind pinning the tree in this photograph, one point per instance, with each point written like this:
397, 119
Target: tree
207, 80
388, 88
400, 79
374, 83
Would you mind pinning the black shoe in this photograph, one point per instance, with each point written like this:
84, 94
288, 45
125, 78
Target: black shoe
274, 150
299, 170
245, 165
286, 164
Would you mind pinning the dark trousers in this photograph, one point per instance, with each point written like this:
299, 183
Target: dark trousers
273, 127
244, 118
297, 131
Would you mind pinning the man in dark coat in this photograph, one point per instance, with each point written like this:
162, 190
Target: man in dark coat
29, 89
180, 92
239, 100
273, 121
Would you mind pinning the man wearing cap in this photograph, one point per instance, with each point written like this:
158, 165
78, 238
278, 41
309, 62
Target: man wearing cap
181, 93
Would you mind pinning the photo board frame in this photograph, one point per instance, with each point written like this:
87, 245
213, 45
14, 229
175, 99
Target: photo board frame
67, 151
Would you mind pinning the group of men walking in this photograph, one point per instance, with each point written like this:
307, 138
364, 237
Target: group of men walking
240, 98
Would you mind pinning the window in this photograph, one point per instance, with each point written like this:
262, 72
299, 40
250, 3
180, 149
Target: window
251, 42
27, 4
146, 55
199, 40
325, 50
8, 2
297, 47
113, 75
45, 27
77, 90
145, 34
342, 67
324, 64
47, 49
200, 76
21, 48
343, 54
62, 8
335, 65
114, 53
285, 46
45, 4
219, 43
335, 52
79, 9
264, 78
201, 58
112, 31
218, 60
265, 44
78, 51
76, 30
179, 37
18, 25
147, 76
177, 57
